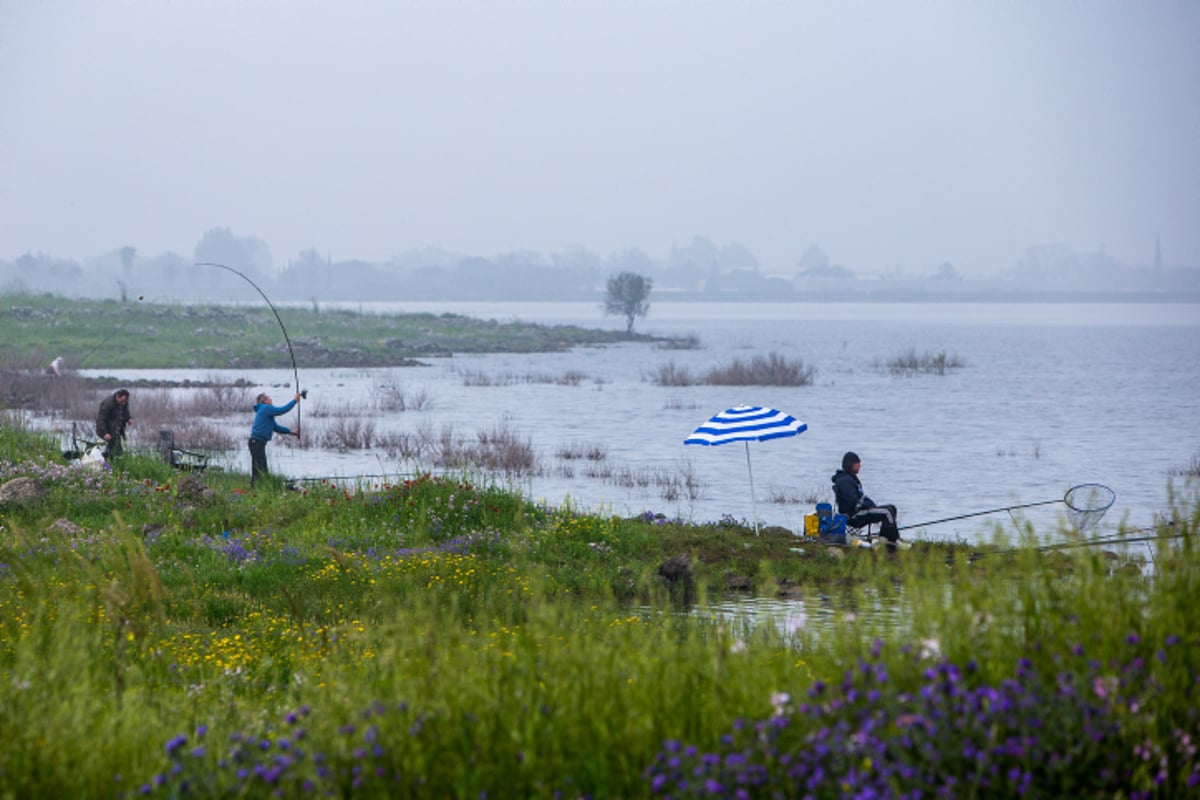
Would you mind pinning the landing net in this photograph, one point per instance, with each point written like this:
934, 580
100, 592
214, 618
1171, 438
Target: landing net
1087, 504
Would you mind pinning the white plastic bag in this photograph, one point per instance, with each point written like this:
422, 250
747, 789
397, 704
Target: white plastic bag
93, 456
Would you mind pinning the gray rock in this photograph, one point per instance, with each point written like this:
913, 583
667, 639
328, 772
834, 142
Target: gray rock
64, 525
193, 488
21, 492
676, 568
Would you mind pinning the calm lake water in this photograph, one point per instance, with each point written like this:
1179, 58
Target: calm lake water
1051, 395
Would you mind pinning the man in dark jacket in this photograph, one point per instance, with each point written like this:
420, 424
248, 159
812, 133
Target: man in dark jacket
859, 509
263, 429
111, 421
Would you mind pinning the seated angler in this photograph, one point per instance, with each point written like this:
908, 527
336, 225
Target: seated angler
859, 509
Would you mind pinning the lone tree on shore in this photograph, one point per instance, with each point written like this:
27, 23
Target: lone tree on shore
628, 296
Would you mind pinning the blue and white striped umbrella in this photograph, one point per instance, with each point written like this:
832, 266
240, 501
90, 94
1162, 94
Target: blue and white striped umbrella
746, 424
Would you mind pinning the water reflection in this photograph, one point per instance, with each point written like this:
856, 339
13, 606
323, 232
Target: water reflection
815, 613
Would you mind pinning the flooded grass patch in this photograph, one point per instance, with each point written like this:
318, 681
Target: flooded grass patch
772, 369
910, 362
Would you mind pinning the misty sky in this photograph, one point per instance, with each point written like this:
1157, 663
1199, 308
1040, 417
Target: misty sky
890, 133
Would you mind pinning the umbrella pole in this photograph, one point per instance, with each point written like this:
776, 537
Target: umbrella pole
753, 498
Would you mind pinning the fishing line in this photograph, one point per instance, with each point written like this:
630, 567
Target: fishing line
129, 318
291, 352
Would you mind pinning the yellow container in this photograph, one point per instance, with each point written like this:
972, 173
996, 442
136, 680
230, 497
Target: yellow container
812, 525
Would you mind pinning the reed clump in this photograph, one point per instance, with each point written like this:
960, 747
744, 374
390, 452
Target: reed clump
1189, 470
910, 362
772, 369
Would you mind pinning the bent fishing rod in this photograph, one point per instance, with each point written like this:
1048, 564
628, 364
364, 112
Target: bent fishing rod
286, 338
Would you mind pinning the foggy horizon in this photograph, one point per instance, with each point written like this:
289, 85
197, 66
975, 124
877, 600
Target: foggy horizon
891, 135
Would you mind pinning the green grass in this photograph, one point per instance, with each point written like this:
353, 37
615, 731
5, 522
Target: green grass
444, 638
110, 334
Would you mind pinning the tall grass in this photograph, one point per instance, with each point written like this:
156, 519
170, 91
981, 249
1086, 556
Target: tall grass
434, 637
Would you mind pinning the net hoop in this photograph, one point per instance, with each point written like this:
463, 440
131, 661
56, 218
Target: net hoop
1089, 498
1088, 502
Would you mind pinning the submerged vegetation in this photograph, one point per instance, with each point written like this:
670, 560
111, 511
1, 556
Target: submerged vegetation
169, 635
772, 369
910, 362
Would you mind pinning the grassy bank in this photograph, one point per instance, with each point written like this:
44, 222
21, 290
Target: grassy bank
139, 334
168, 636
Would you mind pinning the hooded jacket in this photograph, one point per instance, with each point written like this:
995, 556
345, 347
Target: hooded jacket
847, 488
265, 425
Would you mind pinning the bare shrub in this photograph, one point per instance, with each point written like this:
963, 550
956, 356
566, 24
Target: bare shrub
419, 400
670, 374
679, 404
599, 470
475, 377
348, 434
682, 482
32, 389
320, 409
573, 451
772, 369
571, 377
671, 484
226, 398
390, 396
400, 444
499, 450
191, 435
627, 478
910, 363
503, 450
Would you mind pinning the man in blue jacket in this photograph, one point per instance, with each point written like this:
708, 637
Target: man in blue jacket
264, 428
859, 509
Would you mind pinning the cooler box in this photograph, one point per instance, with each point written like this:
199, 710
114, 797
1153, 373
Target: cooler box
833, 529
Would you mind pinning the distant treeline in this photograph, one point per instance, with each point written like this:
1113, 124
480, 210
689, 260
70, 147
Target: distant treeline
701, 270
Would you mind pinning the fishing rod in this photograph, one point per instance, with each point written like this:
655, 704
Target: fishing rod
1119, 538
1088, 501
975, 514
286, 338
1099, 540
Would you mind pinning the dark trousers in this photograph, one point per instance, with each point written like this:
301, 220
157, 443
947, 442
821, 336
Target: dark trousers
884, 515
258, 459
113, 447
